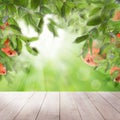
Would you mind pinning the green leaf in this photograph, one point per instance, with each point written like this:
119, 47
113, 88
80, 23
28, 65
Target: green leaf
37, 15
94, 32
45, 10
3, 40
11, 9
26, 39
21, 11
85, 49
23, 3
51, 27
58, 6
53, 22
30, 21
1, 21
107, 66
16, 28
1, 34
94, 11
35, 3
97, 2
7, 1
103, 47
40, 25
19, 46
26, 18
88, 2
4, 56
63, 10
70, 4
12, 21
13, 41
32, 39
2, 7
31, 50
103, 27
81, 38
94, 21
90, 45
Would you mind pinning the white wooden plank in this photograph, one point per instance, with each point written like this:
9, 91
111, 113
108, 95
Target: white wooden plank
12, 109
117, 94
31, 109
104, 107
6, 98
68, 109
113, 100
50, 107
86, 108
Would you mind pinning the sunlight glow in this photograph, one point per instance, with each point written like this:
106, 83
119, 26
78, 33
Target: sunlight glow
48, 45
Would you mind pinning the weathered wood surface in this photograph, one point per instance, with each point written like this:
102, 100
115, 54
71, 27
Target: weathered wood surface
59, 106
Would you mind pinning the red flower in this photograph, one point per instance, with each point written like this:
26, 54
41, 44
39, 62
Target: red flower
9, 52
117, 79
116, 16
118, 35
89, 60
2, 69
113, 69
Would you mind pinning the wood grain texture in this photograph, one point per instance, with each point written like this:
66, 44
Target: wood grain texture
59, 106
86, 107
32, 107
68, 108
13, 108
6, 98
106, 109
50, 107
117, 94
112, 100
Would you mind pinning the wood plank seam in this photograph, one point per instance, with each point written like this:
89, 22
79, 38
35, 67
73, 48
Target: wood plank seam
109, 103
115, 95
23, 106
76, 107
41, 106
95, 106
7, 104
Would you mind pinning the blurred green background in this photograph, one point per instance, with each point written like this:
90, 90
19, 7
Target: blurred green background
58, 67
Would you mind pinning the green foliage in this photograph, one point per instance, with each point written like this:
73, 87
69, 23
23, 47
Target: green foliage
52, 27
35, 4
91, 18
40, 25
19, 45
94, 21
31, 50
81, 38
23, 3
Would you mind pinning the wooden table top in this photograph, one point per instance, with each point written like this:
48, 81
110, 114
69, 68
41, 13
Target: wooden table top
59, 106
